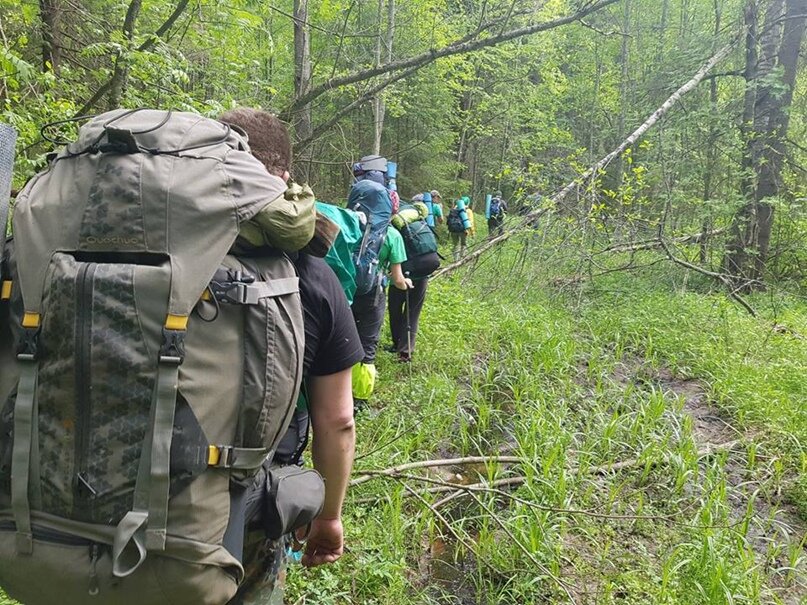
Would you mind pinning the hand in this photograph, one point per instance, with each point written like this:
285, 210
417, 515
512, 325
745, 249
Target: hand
406, 284
325, 543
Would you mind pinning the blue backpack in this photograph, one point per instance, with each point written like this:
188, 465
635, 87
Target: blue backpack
495, 207
373, 203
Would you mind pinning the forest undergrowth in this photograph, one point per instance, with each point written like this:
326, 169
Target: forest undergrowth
638, 438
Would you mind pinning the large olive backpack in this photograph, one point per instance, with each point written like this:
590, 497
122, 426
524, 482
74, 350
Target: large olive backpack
145, 373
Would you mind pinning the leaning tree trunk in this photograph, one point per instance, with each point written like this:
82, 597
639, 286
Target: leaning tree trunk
780, 41
302, 82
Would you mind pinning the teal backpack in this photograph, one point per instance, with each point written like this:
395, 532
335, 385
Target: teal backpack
422, 258
340, 256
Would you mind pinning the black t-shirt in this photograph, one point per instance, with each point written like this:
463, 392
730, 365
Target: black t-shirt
331, 340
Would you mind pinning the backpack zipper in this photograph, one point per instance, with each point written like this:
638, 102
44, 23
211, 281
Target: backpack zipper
49, 535
84, 491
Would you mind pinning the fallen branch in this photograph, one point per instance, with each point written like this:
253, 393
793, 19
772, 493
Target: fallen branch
652, 244
397, 473
596, 168
372, 474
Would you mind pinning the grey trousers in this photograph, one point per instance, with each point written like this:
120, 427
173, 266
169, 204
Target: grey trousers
404, 316
368, 313
458, 242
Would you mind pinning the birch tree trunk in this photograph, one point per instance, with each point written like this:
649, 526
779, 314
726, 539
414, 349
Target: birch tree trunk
584, 178
302, 82
379, 106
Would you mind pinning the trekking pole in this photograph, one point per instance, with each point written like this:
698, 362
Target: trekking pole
408, 324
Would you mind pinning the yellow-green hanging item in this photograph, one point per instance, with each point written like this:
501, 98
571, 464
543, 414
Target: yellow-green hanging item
363, 380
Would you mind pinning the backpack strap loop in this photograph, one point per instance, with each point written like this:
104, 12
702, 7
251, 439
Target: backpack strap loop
128, 546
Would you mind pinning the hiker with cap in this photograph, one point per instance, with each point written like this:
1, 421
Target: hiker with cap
437, 208
380, 252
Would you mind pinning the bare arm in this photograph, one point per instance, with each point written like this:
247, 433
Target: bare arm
331, 405
398, 279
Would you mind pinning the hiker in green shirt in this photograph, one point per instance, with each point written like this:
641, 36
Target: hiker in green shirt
390, 257
368, 312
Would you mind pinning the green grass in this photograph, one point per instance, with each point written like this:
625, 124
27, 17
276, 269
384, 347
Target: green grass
571, 383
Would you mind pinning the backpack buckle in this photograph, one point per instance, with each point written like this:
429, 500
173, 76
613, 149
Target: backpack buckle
236, 290
28, 349
220, 456
173, 348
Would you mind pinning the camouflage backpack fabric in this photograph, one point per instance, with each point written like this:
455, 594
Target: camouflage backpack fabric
145, 372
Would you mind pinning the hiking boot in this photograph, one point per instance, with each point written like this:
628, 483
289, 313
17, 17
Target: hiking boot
404, 357
390, 348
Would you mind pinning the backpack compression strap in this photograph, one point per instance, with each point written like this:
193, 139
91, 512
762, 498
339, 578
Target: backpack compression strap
144, 527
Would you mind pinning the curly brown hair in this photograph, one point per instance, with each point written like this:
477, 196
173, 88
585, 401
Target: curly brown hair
269, 139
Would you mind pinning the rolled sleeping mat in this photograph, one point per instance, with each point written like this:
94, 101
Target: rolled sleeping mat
405, 216
427, 199
488, 198
466, 222
392, 173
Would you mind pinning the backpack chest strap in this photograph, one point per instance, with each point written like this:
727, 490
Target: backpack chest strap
251, 292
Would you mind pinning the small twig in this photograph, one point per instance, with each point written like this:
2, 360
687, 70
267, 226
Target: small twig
724, 279
449, 527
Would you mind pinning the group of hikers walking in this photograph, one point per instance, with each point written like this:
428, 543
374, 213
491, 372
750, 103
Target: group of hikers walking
176, 317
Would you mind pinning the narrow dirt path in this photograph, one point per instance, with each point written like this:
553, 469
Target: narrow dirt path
776, 528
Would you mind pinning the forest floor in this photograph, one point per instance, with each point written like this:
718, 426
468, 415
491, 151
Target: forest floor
640, 439
637, 439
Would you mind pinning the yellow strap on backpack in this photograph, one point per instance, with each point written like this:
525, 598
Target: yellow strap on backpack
363, 380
